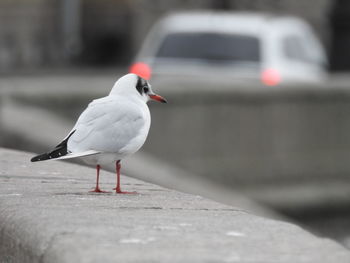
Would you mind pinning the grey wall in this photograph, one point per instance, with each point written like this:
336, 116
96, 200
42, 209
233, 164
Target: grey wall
239, 134
285, 146
265, 135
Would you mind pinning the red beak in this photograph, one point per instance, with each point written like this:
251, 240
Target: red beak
157, 98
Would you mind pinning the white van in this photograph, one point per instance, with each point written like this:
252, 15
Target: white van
240, 46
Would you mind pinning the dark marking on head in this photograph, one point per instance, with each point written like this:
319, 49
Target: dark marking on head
141, 83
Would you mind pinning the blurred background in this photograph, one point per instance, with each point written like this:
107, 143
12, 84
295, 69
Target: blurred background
259, 91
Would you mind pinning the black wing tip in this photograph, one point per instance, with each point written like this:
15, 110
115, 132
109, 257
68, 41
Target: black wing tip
50, 155
60, 150
40, 157
34, 159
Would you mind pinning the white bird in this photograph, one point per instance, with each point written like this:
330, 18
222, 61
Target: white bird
110, 129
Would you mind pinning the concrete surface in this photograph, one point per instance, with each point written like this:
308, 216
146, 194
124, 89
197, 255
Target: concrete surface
47, 215
141, 166
285, 147
254, 139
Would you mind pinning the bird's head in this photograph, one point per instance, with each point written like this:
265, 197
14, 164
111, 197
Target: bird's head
133, 85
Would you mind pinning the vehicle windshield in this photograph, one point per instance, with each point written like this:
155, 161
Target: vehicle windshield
211, 47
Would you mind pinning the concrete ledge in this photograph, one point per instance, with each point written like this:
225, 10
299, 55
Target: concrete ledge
251, 139
47, 215
142, 166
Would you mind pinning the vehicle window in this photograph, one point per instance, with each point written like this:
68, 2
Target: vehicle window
294, 48
210, 46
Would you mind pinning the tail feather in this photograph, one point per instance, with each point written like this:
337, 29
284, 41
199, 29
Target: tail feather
59, 151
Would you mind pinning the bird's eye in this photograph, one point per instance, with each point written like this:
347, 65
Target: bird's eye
145, 89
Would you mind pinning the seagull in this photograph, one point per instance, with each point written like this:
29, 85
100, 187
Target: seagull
110, 129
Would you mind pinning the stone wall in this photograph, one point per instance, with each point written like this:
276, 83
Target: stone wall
48, 215
254, 135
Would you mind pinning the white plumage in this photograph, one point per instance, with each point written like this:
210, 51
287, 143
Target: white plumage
111, 125
111, 128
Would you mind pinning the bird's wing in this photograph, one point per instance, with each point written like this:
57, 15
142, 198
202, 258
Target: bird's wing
107, 125
59, 151
80, 154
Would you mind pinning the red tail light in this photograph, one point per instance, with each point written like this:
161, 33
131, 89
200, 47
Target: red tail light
270, 77
141, 69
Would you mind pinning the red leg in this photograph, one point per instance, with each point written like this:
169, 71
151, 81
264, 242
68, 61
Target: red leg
97, 188
118, 189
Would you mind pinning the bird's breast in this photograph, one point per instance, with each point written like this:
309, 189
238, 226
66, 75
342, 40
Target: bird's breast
140, 137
